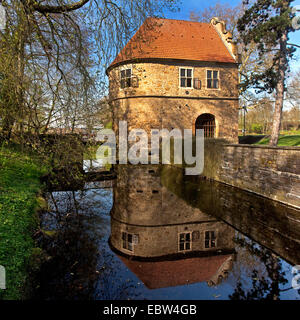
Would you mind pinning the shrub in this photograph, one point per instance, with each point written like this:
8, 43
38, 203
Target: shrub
257, 128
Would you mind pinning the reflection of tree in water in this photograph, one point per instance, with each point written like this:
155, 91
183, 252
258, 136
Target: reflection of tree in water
74, 236
264, 286
70, 273
110, 284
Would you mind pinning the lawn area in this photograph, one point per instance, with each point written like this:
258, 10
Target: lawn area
19, 187
284, 140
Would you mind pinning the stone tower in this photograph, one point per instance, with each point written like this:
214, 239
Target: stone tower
177, 74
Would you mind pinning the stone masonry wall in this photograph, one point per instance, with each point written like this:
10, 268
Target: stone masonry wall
273, 172
159, 102
163, 79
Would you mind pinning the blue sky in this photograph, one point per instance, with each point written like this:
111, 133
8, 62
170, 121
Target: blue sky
187, 6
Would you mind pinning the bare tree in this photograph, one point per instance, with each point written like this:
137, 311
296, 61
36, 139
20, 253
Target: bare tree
250, 62
293, 90
54, 55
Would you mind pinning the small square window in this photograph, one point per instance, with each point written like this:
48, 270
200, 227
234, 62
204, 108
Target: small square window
212, 79
185, 242
186, 77
210, 239
126, 78
129, 240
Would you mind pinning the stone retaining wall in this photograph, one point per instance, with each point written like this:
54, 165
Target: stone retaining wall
273, 172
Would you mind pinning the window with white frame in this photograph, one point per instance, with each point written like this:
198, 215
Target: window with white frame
186, 77
126, 80
212, 77
210, 239
129, 240
185, 241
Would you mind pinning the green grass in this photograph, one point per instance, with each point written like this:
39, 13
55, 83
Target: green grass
290, 132
284, 140
19, 186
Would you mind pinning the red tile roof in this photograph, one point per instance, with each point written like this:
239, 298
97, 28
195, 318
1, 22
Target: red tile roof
175, 39
163, 274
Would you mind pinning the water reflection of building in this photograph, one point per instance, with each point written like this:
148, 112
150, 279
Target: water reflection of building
269, 223
168, 241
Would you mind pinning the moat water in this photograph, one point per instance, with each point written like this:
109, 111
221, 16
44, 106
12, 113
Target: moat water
154, 233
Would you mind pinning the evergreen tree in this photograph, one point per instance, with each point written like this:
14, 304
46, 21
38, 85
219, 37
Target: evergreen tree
268, 23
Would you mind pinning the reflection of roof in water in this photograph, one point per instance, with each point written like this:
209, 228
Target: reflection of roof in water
163, 274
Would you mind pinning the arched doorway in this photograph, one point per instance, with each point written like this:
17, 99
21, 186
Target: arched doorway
206, 121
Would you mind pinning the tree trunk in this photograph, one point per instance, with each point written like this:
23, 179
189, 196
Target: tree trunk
20, 60
7, 126
280, 87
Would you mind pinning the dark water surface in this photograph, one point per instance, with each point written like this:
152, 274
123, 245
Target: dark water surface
155, 233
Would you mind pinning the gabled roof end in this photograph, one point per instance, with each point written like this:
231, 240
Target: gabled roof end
225, 36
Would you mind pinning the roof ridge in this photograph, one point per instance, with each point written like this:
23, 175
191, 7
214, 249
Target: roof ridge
189, 21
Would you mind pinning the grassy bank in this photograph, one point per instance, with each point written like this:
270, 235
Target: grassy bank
19, 187
284, 140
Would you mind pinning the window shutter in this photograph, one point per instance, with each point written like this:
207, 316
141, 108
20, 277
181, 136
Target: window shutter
197, 83
195, 235
134, 81
135, 239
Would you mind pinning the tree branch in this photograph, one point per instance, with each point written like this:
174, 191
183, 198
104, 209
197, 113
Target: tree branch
55, 9
293, 45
